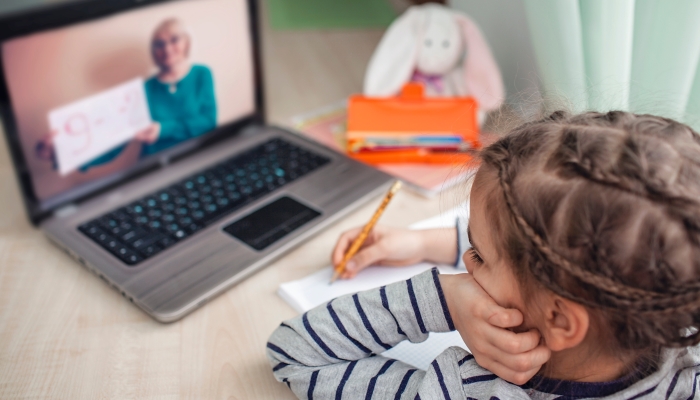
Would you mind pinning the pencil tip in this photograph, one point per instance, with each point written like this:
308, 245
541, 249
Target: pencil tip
334, 277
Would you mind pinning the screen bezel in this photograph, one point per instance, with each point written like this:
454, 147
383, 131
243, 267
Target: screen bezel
62, 15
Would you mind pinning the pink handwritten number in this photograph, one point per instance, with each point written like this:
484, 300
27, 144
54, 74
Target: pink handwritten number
78, 125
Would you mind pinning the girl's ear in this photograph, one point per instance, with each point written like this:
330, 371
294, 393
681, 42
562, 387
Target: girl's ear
566, 323
394, 60
481, 74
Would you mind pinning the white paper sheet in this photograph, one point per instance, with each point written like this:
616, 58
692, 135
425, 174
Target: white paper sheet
307, 293
90, 127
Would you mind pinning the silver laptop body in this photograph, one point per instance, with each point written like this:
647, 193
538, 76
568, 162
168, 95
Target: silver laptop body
183, 277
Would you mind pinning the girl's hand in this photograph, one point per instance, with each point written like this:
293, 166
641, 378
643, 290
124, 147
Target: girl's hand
486, 328
149, 135
384, 246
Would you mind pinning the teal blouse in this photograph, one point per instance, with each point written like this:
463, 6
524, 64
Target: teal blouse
184, 113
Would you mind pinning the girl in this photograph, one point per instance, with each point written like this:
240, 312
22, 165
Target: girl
589, 225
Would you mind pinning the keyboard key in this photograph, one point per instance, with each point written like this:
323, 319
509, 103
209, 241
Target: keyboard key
147, 241
134, 234
150, 250
166, 242
155, 224
90, 230
148, 226
199, 214
112, 244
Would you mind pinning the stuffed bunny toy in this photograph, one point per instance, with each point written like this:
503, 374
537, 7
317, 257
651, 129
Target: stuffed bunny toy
441, 48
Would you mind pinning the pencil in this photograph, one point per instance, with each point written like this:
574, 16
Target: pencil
357, 243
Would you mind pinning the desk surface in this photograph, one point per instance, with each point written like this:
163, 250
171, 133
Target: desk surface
65, 334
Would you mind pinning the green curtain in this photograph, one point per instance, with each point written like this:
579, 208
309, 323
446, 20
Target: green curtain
637, 55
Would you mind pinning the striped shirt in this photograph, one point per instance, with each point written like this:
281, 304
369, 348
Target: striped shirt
331, 352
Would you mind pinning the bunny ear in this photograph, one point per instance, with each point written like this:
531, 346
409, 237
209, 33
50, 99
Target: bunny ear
394, 60
481, 74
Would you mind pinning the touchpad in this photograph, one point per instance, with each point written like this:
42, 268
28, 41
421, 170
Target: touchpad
271, 223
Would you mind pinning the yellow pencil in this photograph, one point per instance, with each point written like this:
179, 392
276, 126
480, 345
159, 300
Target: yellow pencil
355, 246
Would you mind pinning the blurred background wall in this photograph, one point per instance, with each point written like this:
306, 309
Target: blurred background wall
638, 55
505, 25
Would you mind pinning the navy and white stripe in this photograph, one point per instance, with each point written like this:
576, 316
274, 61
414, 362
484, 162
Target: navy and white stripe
443, 301
341, 328
385, 304
317, 338
280, 351
312, 385
404, 383
344, 379
414, 304
373, 381
306, 353
441, 379
366, 323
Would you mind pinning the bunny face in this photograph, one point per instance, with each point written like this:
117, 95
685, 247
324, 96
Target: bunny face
440, 47
443, 44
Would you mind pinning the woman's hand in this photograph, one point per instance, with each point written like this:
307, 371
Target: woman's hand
44, 148
149, 135
384, 246
486, 328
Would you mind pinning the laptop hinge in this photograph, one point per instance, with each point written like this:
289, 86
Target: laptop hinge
65, 211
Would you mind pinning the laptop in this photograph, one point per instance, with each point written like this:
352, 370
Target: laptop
137, 132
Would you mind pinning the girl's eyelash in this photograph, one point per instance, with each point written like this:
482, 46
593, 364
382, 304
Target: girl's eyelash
475, 256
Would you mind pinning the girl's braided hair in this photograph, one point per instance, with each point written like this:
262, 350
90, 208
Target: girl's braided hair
604, 209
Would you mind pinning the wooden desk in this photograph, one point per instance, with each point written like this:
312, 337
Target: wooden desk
65, 334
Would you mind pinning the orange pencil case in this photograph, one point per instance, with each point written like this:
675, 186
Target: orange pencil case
398, 129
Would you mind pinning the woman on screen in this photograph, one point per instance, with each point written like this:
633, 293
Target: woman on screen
180, 97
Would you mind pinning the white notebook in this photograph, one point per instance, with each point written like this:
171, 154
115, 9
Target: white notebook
307, 293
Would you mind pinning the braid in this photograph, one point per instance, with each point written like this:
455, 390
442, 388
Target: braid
581, 154
644, 301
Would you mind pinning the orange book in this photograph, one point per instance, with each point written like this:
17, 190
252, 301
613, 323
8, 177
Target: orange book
411, 128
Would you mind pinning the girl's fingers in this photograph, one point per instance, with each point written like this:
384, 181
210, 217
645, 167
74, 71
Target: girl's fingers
506, 373
485, 308
364, 258
343, 244
511, 342
517, 363
504, 317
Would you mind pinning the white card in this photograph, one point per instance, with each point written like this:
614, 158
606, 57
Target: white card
90, 127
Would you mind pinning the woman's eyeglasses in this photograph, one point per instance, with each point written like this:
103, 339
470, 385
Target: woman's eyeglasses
161, 44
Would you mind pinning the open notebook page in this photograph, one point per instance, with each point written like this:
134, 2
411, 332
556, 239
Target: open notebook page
307, 293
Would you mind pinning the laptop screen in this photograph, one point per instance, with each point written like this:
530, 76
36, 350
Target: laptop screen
94, 100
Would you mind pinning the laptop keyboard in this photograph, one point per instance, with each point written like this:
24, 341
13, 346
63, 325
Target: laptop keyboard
155, 222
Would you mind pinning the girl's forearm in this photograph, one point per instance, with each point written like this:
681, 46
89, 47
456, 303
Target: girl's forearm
440, 245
